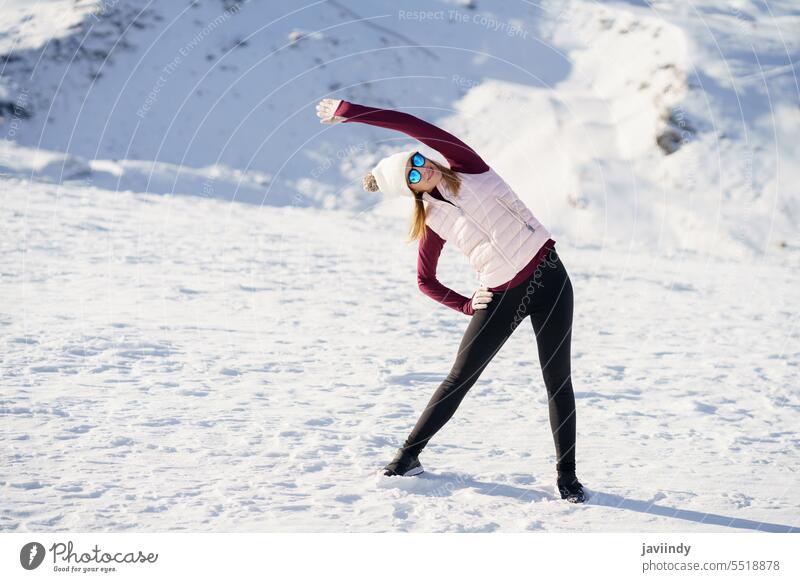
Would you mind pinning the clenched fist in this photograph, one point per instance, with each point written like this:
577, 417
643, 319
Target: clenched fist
481, 298
326, 109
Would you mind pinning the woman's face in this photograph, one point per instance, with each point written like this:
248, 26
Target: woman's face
431, 176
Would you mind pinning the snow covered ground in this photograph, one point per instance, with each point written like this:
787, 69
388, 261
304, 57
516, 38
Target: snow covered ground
206, 325
180, 363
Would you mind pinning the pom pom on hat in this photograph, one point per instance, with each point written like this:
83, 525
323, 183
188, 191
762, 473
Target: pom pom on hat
369, 184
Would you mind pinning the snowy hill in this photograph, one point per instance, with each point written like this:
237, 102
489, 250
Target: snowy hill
243, 381
209, 326
575, 103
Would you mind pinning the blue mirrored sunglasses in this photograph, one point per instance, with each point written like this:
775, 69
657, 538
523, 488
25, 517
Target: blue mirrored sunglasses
414, 176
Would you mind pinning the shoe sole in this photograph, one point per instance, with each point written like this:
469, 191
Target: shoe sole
572, 497
410, 473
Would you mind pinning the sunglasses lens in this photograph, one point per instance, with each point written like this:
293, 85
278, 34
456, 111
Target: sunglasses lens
418, 160
414, 176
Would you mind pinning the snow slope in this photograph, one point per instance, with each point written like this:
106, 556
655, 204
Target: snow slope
209, 326
245, 380
568, 101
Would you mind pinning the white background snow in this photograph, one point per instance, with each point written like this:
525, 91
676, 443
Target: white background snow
207, 325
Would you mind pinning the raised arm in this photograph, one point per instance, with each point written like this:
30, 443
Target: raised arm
430, 247
459, 155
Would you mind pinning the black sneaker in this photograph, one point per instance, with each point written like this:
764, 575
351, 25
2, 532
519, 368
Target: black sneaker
570, 488
403, 465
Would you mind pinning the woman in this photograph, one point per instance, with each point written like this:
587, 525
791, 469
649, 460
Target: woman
513, 254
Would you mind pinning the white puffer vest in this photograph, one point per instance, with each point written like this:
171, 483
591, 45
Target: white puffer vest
489, 224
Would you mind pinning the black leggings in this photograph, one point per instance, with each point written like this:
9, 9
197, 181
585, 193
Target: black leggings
546, 296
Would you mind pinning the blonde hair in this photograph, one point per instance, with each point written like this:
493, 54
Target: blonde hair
417, 228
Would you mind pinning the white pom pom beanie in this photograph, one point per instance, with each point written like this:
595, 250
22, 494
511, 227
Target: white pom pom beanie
390, 174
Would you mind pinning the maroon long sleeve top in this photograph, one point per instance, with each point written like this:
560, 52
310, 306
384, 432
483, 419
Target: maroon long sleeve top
461, 158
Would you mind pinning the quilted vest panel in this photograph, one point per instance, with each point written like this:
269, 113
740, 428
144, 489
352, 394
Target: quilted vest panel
489, 223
